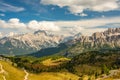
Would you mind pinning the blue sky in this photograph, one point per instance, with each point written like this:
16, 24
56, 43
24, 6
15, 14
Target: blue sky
23, 12
35, 10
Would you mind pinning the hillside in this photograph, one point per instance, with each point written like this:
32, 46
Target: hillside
49, 51
95, 63
13, 73
91, 65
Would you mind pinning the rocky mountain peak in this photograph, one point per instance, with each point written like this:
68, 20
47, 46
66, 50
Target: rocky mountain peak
40, 32
112, 31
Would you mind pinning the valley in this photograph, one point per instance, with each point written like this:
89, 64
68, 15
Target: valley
59, 39
92, 65
95, 57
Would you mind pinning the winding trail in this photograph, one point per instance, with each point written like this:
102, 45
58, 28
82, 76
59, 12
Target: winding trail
112, 73
4, 78
26, 76
2, 71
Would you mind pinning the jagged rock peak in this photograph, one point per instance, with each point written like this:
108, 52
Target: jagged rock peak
40, 32
112, 31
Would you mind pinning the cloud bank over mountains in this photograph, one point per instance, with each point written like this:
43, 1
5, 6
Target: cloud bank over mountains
60, 27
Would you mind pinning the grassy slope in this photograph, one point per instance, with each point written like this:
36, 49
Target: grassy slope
53, 76
17, 74
12, 73
50, 62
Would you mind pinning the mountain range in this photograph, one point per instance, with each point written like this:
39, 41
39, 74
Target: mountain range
109, 39
101, 41
28, 43
95, 57
41, 43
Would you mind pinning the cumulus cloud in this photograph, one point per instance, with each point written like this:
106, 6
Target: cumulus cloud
90, 26
12, 23
43, 25
4, 7
79, 6
33, 25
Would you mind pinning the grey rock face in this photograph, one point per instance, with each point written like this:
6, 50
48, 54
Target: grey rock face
108, 39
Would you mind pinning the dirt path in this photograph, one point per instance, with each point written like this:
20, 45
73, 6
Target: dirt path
26, 76
4, 78
2, 71
112, 73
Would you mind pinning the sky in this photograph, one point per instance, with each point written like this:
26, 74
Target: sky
67, 17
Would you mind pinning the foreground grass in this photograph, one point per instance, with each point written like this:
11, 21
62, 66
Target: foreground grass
12, 73
53, 76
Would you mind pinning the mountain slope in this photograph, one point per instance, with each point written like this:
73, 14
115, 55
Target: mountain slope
95, 63
49, 51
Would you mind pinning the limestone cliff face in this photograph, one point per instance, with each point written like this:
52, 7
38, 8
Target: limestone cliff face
100, 40
110, 37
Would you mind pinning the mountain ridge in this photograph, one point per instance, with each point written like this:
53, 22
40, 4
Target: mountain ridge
106, 40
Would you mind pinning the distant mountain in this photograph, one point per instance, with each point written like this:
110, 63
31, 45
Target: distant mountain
41, 43
74, 45
28, 43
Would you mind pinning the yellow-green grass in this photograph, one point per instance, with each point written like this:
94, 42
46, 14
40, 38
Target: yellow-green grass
53, 76
12, 73
51, 62
1, 77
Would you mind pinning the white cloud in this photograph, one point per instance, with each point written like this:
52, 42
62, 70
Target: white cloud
43, 25
1, 14
90, 26
11, 34
86, 27
13, 23
33, 25
83, 14
1, 35
7, 7
79, 6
